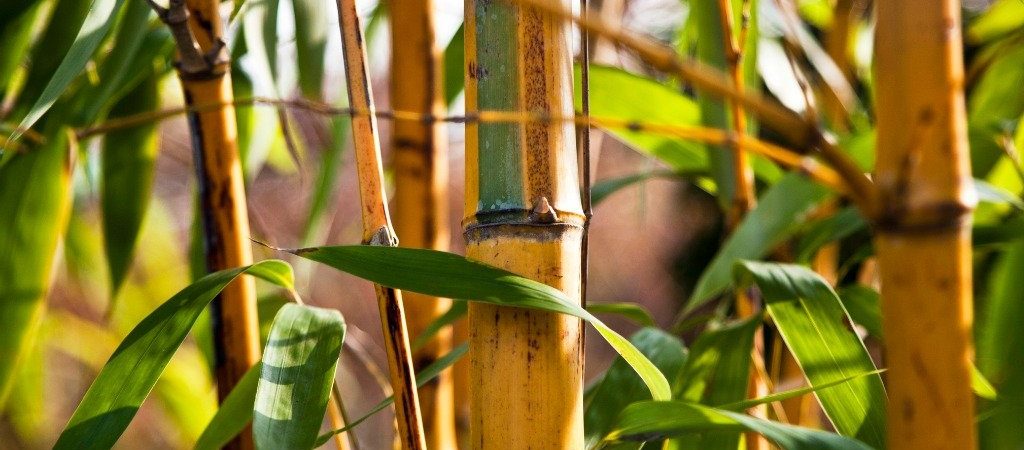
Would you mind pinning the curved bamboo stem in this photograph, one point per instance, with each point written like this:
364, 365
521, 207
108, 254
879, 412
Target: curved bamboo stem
923, 241
377, 229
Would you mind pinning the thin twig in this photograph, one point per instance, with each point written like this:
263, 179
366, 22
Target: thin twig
785, 157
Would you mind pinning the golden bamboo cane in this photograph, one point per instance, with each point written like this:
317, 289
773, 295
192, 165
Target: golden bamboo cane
923, 240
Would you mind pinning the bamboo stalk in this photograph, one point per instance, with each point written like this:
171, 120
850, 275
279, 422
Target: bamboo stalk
203, 69
421, 192
377, 229
523, 213
923, 238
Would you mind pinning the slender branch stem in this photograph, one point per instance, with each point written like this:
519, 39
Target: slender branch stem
377, 228
744, 198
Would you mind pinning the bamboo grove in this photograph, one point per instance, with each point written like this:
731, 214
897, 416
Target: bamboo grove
511, 224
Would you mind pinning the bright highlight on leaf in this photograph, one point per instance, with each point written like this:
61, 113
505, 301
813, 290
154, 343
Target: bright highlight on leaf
442, 274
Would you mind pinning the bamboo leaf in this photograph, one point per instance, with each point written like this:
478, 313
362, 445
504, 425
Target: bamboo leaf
833, 228
113, 71
620, 385
457, 311
862, 303
34, 204
792, 393
447, 275
812, 321
298, 371
234, 414
653, 420
455, 66
102, 14
617, 94
775, 219
718, 371
631, 311
15, 37
310, 45
128, 376
423, 377
128, 157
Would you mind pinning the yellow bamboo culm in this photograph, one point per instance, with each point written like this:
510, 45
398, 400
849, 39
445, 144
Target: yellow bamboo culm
222, 194
523, 214
923, 240
421, 192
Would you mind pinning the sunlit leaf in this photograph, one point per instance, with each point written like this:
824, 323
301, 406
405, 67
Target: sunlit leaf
620, 385
102, 14
234, 414
126, 379
127, 157
34, 204
447, 275
777, 216
298, 371
653, 420
812, 321
631, 311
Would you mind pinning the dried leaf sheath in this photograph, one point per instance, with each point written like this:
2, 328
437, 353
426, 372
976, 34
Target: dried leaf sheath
523, 214
421, 191
923, 242
377, 228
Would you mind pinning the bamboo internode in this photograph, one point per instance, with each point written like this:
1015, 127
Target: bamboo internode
205, 79
421, 194
523, 214
923, 243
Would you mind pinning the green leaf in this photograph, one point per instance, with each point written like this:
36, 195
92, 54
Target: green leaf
1003, 16
113, 71
833, 228
620, 385
234, 414
617, 94
1001, 349
631, 311
862, 302
127, 157
457, 311
812, 321
35, 201
298, 371
455, 66
423, 377
996, 102
653, 420
128, 376
792, 393
777, 216
311, 18
447, 275
16, 31
718, 371
102, 14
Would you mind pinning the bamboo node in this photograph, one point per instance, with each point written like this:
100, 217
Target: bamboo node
383, 237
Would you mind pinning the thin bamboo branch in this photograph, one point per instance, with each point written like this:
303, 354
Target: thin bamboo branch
377, 229
744, 198
923, 237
